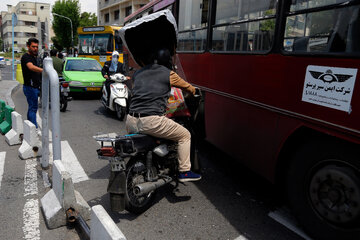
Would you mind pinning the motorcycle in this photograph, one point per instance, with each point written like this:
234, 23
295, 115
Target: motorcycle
118, 101
64, 90
140, 164
64, 94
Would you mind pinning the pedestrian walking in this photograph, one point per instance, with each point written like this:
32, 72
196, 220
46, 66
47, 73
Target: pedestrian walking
30, 65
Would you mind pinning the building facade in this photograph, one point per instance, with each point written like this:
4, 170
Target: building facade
113, 12
33, 21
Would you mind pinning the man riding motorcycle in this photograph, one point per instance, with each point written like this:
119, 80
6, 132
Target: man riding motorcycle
112, 67
151, 89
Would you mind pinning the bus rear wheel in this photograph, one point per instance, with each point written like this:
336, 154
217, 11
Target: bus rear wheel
323, 187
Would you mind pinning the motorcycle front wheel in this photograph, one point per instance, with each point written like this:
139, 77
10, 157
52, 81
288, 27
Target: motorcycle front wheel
120, 112
136, 173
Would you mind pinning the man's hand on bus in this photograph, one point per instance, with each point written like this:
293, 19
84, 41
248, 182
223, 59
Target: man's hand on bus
106, 76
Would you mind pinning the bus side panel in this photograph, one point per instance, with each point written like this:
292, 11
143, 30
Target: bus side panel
243, 131
235, 125
295, 70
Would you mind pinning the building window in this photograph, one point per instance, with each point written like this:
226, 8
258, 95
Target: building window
107, 17
127, 11
116, 15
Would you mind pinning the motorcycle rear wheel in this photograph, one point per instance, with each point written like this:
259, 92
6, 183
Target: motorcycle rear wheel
134, 203
63, 103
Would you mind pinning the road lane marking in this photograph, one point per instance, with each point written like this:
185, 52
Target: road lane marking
30, 179
283, 217
2, 165
69, 159
72, 164
31, 220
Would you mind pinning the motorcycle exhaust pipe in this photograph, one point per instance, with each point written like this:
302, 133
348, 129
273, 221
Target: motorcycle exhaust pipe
144, 188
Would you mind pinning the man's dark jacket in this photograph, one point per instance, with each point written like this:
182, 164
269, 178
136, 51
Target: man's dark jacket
106, 69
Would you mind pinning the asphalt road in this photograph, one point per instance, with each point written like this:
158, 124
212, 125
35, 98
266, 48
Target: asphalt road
229, 202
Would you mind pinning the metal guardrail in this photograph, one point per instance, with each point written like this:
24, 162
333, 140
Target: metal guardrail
50, 84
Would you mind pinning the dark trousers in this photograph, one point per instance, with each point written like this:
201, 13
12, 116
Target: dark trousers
31, 95
107, 87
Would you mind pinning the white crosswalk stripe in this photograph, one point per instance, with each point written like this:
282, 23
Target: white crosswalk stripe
30, 179
71, 162
31, 220
31, 208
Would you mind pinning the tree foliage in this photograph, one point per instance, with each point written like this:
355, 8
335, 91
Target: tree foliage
57, 45
88, 19
62, 26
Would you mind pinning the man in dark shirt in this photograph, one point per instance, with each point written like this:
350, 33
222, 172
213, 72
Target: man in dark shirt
32, 78
152, 86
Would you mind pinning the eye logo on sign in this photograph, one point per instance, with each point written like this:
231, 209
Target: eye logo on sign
329, 77
92, 84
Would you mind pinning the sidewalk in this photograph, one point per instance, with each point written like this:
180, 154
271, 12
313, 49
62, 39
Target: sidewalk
7, 87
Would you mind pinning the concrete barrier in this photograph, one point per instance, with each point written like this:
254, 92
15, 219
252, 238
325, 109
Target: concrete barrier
102, 226
31, 145
2, 110
15, 135
61, 197
5, 126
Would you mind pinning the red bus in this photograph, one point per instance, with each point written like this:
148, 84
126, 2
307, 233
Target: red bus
279, 95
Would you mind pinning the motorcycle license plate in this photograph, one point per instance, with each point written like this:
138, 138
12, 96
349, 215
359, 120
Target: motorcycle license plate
92, 89
117, 165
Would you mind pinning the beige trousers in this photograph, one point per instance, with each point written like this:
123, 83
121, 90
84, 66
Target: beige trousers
163, 127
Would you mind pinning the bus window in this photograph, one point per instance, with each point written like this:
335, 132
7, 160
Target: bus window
228, 11
85, 42
193, 21
254, 33
118, 42
102, 43
334, 30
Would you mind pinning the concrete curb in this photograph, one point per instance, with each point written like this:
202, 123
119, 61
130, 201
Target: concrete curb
31, 145
62, 197
13, 137
102, 226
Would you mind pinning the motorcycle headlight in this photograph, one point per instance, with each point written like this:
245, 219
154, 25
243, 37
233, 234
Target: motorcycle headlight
75, 83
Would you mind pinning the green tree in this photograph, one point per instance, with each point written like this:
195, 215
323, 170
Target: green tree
62, 26
88, 19
1, 44
57, 45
